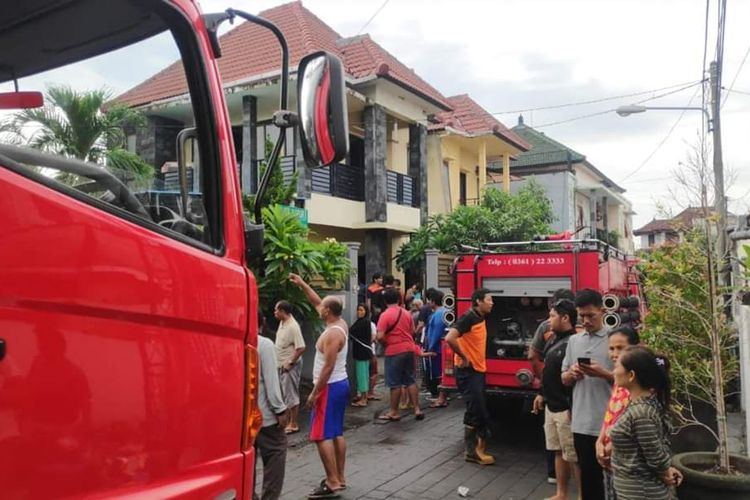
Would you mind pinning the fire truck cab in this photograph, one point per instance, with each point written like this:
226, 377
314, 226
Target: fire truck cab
522, 276
128, 311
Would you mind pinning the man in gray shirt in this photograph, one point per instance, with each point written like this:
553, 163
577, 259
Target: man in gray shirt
271, 441
588, 369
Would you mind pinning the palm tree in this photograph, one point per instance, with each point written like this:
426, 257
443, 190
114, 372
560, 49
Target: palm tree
82, 125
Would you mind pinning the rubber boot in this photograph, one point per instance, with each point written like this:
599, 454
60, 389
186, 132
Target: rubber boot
486, 459
475, 448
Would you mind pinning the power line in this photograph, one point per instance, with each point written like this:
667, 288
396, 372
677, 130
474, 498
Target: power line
735, 91
599, 113
663, 141
747, 52
703, 66
373, 17
595, 101
591, 115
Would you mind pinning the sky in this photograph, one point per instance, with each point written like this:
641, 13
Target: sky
519, 54
512, 55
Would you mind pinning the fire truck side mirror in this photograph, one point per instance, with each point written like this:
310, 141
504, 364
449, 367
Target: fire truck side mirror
321, 97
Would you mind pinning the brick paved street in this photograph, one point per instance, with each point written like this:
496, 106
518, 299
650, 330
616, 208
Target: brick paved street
424, 460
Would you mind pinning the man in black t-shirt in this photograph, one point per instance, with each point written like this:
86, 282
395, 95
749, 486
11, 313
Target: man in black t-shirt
542, 334
556, 396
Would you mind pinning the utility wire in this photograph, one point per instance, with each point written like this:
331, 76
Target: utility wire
663, 141
599, 113
735, 91
703, 66
373, 17
595, 101
731, 86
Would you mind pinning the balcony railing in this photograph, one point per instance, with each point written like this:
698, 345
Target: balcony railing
402, 189
348, 182
342, 181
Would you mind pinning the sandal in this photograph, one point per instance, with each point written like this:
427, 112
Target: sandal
389, 418
340, 488
419, 416
439, 405
323, 491
291, 430
359, 404
373, 397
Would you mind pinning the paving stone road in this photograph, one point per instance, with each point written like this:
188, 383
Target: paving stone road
413, 459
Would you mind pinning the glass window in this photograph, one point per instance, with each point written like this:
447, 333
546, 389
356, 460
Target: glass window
101, 136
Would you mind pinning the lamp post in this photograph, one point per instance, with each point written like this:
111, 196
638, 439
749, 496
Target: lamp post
635, 108
714, 126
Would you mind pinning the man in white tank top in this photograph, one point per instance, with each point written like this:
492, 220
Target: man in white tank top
330, 394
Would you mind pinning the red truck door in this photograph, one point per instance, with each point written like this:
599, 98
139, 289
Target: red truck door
123, 304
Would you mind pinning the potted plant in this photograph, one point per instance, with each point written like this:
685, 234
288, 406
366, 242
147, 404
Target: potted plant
687, 321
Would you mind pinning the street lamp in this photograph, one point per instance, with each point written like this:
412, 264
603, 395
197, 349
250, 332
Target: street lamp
714, 126
636, 108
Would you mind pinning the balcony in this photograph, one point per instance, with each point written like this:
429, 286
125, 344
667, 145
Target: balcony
402, 189
341, 181
348, 182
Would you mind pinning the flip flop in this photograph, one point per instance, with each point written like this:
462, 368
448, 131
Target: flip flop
419, 416
358, 405
291, 431
439, 405
340, 488
388, 418
374, 397
323, 491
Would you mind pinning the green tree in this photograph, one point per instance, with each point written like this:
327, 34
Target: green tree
499, 217
279, 192
686, 321
81, 125
289, 250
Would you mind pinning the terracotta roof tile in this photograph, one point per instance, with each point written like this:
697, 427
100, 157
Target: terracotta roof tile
250, 51
655, 226
363, 57
469, 117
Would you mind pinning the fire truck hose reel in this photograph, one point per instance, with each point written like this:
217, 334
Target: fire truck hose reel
449, 301
612, 320
611, 302
449, 318
525, 377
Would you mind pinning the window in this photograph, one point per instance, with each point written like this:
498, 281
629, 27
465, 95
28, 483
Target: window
132, 167
462, 189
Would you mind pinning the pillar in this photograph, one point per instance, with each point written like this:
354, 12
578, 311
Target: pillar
418, 166
376, 251
592, 214
482, 169
351, 285
376, 194
506, 173
248, 170
431, 268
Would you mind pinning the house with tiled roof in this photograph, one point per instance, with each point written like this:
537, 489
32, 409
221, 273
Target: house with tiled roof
585, 200
393, 178
461, 143
659, 232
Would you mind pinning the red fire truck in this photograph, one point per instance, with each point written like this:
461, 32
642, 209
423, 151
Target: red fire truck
522, 276
128, 325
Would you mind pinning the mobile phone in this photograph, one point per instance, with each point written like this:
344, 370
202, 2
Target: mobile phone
584, 361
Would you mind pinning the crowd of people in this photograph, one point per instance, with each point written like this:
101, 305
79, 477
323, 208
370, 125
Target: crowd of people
407, 327
606, 400
605, 396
